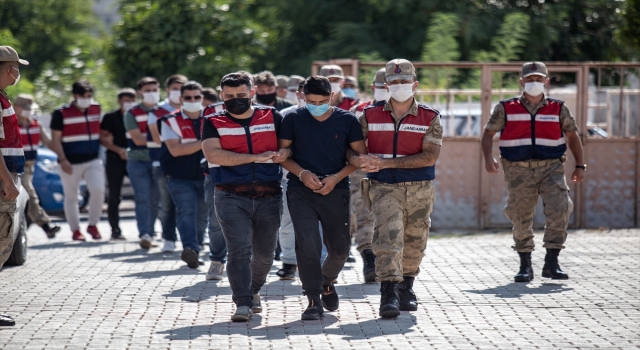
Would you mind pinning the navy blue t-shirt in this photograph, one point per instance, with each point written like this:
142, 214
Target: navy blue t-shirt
320, 147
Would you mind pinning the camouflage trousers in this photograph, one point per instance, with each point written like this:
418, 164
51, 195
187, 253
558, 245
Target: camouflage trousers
401, 227
7, 210
524, 186
361, 218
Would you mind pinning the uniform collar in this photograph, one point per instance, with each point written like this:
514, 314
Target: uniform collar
184, 116
413, 110
526, 102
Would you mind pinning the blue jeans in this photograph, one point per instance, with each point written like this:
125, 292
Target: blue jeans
145, 194
288, 238
167, 207
188, 196
250, 227
217, 244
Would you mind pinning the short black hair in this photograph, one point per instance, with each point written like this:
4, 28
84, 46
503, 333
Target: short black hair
301, 86
81, 87
210, 94
266, 78
236, 80
126, 92
317, 85
190, 85
146, 81
175, 78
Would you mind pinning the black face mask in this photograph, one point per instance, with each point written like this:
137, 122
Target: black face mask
237, 105
266, 99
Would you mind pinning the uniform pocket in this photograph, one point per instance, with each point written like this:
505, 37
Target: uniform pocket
561, 181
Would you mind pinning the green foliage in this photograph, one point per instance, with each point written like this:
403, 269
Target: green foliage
441, 46
366, 76
629, 31
509, 42
199, 38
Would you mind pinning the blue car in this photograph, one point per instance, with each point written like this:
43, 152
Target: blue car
49, 186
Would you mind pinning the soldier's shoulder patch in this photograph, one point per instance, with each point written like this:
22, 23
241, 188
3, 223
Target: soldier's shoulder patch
425, 107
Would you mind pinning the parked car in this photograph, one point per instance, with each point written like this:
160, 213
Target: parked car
48, 185
19, 253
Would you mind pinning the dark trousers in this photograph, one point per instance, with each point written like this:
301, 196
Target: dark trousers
188, 196
332, 210
167, 206
116, 170
250, 228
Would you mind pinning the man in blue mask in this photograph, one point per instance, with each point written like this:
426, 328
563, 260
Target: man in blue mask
318, 189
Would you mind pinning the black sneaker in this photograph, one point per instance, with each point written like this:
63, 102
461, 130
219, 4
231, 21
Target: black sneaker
287, 272
330, 299
351, 258
117, 237
191, 258
314, 311
50, 231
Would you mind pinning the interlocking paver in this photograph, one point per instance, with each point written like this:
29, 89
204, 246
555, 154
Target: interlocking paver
91, 295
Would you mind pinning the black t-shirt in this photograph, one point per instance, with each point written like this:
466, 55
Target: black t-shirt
57, 123
113, 123
320, 147
210, 131
282, 104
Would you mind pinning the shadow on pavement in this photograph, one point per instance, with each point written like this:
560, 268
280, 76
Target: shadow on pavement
199, 292
182, 271
88, 244
138, 256
516, 290
254, 329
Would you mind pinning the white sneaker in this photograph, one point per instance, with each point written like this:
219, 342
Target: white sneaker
169, 247
146, 242
215, 271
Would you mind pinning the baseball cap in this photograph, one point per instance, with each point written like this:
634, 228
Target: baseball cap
378, 81
294, 82
534, 68
399, 69
8, 54
350, 80
331, 71
281, 81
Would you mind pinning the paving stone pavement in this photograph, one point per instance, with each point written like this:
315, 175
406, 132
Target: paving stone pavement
104, 295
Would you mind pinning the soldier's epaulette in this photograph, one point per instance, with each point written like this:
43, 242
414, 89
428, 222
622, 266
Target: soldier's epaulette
373, 105
423, 106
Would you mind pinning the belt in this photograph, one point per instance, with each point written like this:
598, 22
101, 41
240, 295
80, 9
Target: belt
408, 183
532, 164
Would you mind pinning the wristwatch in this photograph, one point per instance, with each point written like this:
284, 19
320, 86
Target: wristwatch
583, 166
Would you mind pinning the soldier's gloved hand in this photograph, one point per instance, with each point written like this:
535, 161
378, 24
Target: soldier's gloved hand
578, 175
492, 166
310, 180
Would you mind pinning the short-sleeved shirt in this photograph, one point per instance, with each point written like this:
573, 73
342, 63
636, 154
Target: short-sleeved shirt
130, 123
498, 119
167, 133
113, 122
280, 104
433, 134
57, 123
320, 146
288, 110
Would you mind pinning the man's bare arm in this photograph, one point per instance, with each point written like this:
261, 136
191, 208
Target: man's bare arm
178, 149
137, 137
216, 155
428, 157
155, 134
487, 150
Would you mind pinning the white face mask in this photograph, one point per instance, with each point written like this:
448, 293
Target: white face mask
174, 96
128, 105
381, 94
291, 96
83, 102
151, 98
192, 106
534, 89
18, 78
401, 92
335, 87
25, 113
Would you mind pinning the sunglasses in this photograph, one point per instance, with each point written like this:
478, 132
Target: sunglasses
192, 98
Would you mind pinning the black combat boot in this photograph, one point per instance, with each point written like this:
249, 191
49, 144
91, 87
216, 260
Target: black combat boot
369, 268
408, 300
526, 272
389, 301
551, 268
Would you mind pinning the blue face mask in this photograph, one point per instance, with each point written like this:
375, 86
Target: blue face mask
317, 111
349, 92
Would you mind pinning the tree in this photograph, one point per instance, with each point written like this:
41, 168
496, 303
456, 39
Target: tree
441, 46
629, 31
202, 39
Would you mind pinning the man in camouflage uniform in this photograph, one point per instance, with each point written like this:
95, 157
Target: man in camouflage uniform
534, 133
404, 139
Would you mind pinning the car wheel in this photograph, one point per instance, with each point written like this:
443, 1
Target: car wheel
19, 253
